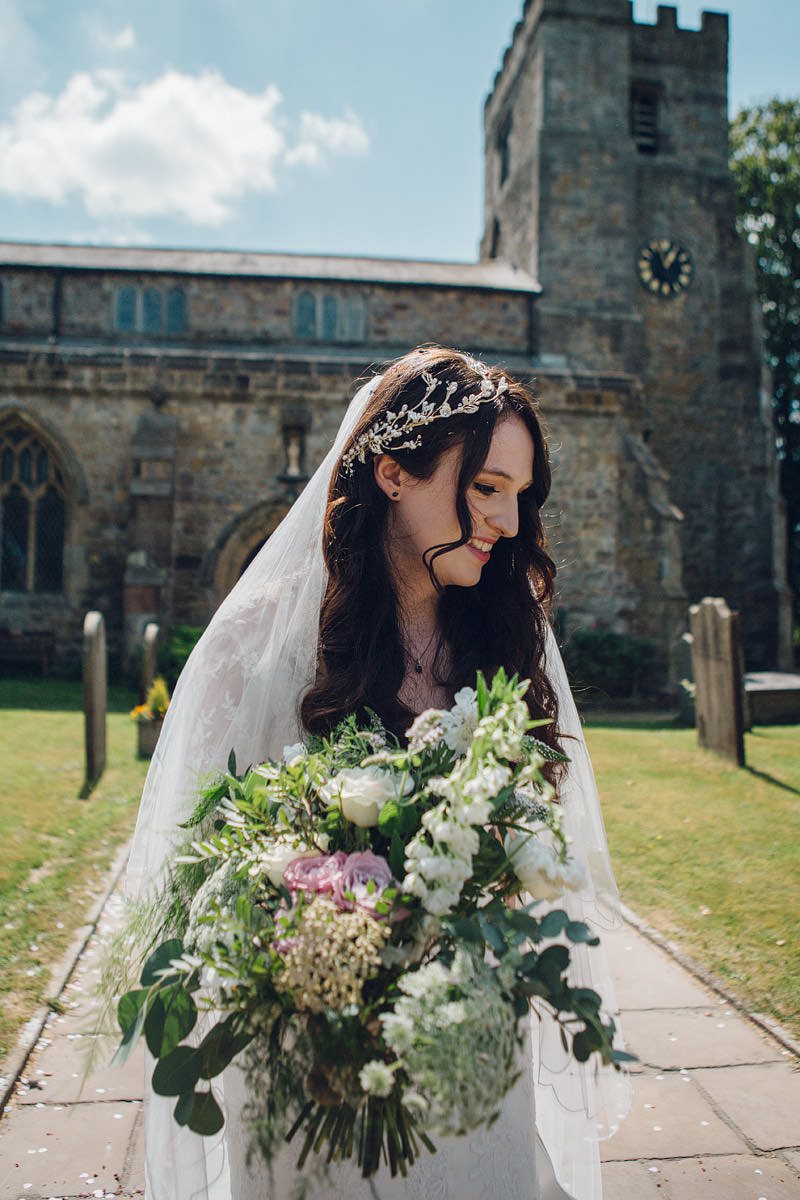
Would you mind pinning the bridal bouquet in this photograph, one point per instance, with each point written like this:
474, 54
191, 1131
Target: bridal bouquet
345, 921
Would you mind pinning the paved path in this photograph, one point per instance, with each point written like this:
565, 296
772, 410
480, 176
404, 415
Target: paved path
716, 1109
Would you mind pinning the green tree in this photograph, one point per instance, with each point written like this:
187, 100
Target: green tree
765, 159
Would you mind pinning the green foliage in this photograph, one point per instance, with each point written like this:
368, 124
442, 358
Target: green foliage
765, 159
174, 650
616, 664
158, 697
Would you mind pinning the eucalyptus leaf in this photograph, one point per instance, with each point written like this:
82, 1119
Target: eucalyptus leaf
159, 961
129, 1006
183, 1109
171, 1018
206, 1117
554, 922
130, 1038
177, 1072
579, 931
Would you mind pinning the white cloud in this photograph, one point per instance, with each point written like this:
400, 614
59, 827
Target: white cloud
181, 145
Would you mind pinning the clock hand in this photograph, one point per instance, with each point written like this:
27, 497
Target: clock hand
670, 258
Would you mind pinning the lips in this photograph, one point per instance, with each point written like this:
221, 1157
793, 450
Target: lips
481, 548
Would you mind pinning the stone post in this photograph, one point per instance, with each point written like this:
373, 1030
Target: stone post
95, 695
717, 663
149, 658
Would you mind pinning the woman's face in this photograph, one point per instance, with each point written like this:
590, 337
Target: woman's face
423, 515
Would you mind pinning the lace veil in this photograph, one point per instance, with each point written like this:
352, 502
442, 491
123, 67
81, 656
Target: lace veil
240, 689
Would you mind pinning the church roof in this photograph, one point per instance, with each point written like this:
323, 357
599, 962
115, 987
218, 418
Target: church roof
490, 273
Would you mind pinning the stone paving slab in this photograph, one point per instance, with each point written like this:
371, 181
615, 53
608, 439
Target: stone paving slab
671, 1038
646, 977
728, 1177
58, 1072
762, 1100
630, 1181
69, 1150
670, 1117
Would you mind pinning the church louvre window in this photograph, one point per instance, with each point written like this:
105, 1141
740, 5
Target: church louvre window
149, 310
330, 318
305, 315
32, 515
503, 147
644, 108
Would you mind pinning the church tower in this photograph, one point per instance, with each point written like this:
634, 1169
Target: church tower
607, 180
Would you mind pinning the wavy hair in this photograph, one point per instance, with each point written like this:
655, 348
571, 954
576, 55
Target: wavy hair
501, 621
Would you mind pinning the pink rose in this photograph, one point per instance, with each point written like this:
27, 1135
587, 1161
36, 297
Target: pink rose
358, 871
316, 876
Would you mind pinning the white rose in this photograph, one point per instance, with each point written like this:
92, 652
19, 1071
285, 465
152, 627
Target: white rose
539, 869
361, 793
275, 859
293, 754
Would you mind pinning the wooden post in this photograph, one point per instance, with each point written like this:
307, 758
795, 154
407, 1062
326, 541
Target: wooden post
717, 662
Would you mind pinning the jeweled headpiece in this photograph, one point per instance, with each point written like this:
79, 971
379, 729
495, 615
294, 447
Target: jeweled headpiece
385, 436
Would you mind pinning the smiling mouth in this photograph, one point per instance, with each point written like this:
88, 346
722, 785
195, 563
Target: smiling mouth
481, 548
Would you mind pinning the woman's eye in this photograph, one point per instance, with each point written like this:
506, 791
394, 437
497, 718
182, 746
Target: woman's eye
485, 489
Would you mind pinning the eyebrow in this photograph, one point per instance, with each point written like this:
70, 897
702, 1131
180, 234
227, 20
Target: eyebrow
503, 475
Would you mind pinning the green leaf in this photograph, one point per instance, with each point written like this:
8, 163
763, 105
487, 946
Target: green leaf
552, 963
388, 817
578, 931
129, 1006
464, 928
483, 694
554, 922
183, 1109
159, 961
397, 856
131, 1036
171, 1018
206, 1118
177, 1072
219, 1047
623, 1056
232, 762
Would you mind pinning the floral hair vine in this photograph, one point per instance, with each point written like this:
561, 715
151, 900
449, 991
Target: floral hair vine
386, 436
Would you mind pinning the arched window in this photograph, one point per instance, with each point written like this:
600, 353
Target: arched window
305, 315
176, 311
151, 311
354, 323
125, 316
32, 514
330, 319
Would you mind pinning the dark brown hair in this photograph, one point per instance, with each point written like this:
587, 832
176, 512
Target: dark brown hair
500, 621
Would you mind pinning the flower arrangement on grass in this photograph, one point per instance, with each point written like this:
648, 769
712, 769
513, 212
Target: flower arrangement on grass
156, 702
344, 918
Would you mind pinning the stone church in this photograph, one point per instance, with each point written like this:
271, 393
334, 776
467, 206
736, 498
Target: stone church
161, 409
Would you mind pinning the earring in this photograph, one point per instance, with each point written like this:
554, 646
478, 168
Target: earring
395, 495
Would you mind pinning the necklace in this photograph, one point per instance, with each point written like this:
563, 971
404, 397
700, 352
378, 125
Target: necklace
416, 659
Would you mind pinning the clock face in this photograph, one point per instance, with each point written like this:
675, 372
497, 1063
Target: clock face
664, 267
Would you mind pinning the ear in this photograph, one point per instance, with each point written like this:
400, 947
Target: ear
389, 475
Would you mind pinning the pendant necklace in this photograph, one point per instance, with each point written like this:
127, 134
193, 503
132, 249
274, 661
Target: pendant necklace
417, 659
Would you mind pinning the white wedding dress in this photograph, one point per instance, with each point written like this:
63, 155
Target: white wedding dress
240, 689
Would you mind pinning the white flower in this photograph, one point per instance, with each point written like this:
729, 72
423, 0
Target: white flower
294, 754
459, 724
425, 730
361, 792
398, 1029
540, 870
376, 1078
275, 858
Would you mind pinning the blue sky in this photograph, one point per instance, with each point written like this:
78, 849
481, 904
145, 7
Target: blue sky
285, 125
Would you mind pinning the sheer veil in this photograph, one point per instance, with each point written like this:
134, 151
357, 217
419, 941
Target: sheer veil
240, 689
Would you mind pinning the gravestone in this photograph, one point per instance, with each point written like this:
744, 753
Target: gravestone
717, 664
684, 673
95, 697
149, 658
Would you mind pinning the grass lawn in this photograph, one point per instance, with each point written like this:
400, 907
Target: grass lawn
708, 853
56, 847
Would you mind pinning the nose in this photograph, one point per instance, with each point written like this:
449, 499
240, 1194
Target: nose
505, 519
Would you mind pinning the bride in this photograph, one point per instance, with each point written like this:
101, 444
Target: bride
414, 557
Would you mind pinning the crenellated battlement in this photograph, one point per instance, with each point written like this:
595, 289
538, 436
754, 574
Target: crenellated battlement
665, 39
